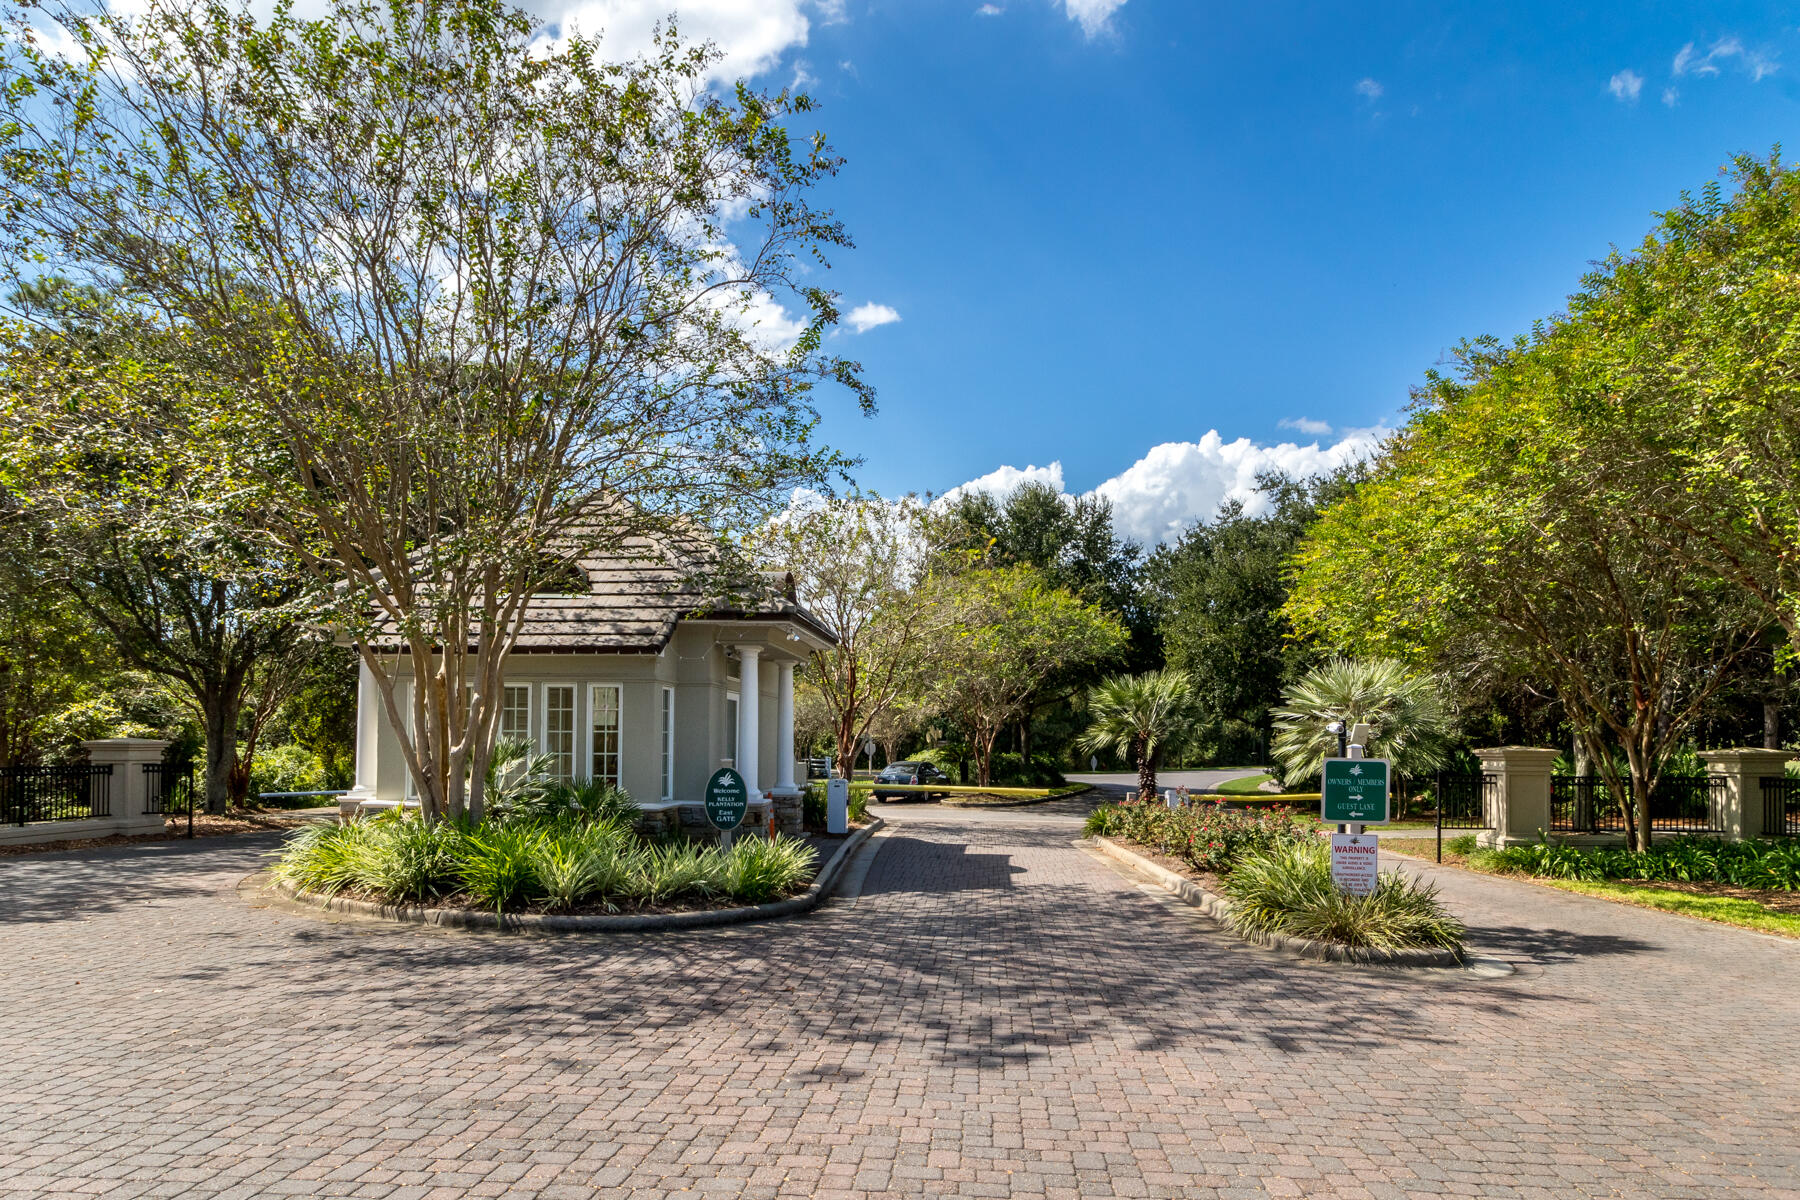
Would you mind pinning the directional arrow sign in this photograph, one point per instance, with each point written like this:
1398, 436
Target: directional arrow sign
1355, 791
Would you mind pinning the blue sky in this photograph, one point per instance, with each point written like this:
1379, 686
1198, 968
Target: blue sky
1108, 228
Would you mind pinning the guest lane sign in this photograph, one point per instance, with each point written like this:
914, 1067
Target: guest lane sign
1354, 791
727, 799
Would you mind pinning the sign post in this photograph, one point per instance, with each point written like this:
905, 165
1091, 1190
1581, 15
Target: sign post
727, 800
1353, 792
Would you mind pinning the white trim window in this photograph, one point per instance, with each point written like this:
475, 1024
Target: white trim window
559, 730
605, 708
515, 712
731, 726
667, 741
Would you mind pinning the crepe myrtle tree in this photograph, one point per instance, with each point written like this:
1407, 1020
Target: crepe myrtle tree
470, 301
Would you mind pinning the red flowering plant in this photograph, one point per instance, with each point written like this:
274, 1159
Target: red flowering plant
1202, 833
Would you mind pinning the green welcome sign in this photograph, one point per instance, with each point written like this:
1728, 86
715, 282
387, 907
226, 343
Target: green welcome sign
1354, 791
727, 799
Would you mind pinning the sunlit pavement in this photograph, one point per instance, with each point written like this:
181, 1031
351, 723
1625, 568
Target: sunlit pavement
998, 1013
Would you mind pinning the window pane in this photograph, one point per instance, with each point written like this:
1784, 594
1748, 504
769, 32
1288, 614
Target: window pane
559, 731
604, 703
668, 744
515, 713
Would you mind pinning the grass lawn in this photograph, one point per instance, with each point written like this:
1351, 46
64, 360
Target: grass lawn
1726, 910
1248, 786
1765, 912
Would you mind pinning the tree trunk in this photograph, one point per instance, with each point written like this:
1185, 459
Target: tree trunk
221, 720
1771, 725
984, 757
1146, 769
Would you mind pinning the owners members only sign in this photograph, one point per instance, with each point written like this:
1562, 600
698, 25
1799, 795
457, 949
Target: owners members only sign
1354, 862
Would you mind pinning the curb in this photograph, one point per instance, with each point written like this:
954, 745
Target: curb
1219, 909
465, 918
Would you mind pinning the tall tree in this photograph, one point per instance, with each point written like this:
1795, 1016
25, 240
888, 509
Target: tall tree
477, 301
1216, 596
99, 410
1012, 631
1484, 547
863, 566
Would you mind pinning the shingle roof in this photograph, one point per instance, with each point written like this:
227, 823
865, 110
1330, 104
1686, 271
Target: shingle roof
638, 593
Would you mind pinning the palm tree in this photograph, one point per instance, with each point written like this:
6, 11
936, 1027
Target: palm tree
1141, 716
1411, 726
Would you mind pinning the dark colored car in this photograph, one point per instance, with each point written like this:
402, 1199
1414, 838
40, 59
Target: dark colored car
919, 773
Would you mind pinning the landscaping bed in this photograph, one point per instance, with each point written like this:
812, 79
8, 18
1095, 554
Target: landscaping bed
571, 864
1754, 885
1268, 875
990, 800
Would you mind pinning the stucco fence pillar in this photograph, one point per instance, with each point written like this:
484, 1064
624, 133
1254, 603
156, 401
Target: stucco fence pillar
1743, 769
1522, 794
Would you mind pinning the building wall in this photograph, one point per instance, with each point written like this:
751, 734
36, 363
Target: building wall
694, 665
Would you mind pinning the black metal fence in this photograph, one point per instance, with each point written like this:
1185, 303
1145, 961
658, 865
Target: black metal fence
63, 793
1465, 801
168, 788
1781, 806
1678, 804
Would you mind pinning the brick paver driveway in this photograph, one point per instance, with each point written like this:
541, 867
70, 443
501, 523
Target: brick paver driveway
998, 1014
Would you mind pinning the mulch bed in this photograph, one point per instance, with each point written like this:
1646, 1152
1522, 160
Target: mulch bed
1417, 847
1206, 879
205, 825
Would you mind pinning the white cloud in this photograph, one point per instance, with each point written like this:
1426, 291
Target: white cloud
1670, 95
1003, 480
989, 10
1369, 89
754, 34
865, 317
1626, 85
1758, 64
1094, 16
1178, 483
1305, 425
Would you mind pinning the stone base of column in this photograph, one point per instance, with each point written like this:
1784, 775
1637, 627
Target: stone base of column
788, 812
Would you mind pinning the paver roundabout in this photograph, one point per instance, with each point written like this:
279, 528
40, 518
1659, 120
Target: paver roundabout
999, 1012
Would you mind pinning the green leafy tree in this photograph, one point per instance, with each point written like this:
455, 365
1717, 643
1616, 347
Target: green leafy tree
1217, 596
1141, 718
1487, 547
1010, 632
862, 566
469, 301
52, 660
1411, 726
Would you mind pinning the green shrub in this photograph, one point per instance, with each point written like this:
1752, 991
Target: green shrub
290, 768
498, 863
1290, 891
760, 869
1768, 864
1462, 844
682, 871
513, 863
1202, 833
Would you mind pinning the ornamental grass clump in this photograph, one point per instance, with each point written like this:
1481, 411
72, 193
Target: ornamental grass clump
555, 864
1290, 891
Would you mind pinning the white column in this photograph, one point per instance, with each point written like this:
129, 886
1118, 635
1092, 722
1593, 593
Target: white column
368, 729
784, 730
749, 739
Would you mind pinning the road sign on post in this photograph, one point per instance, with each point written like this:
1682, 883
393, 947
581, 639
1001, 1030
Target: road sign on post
1354, 791
727, 799
1355, 862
